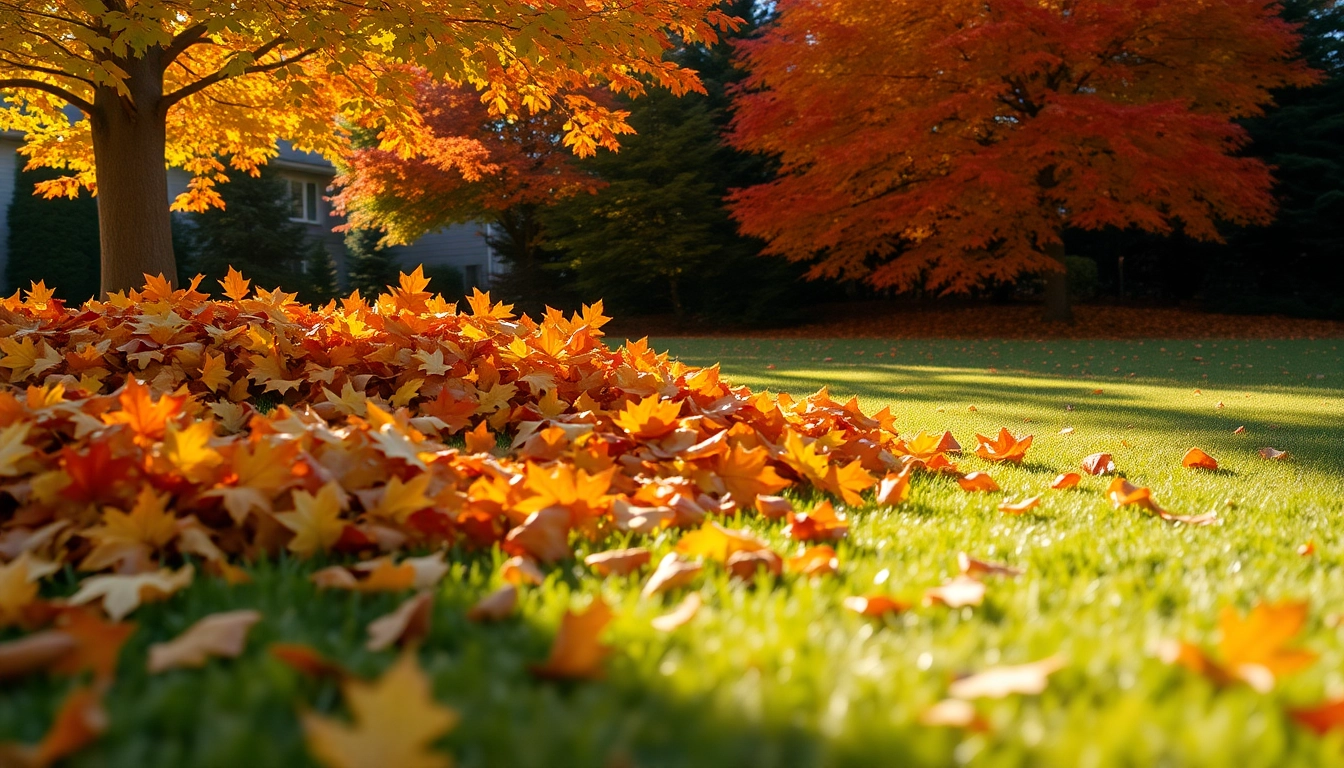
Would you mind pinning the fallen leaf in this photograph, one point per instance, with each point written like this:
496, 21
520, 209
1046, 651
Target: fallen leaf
977, 482
1066, 481
672, 571
544, 536
521, 570
1275, 455
618, 562
745, 565
1020, 507
715, 542
496, 606
34, 653
953, 713
1197, 459
577, 653
395, 720
999, 682
821, 523
222, 634
1321, 718
78, 723
1066, 431
683, 613
894, 488
1005, 447
408, 624
974, 568
1098, 464
874, 605
959, 592
1239, 430
98, 643
1307, 550
122, 594
1253, 649
773, 507
305, 659
815, 561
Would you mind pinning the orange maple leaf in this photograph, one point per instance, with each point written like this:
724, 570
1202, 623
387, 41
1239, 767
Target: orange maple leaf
1003, 448
577, 653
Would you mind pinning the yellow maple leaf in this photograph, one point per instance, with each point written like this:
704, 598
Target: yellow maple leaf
401, 500
148, 527
315, 521
12, 448
189, 450
234, 285
649, 418
17, 590
396, 719
215, 372
123, 594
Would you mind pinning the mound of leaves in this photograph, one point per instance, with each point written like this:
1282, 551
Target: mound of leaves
155, 432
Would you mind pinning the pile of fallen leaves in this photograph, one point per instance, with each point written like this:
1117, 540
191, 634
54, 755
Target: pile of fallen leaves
157, 431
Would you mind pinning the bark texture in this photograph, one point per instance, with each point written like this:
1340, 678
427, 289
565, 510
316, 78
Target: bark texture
129, 141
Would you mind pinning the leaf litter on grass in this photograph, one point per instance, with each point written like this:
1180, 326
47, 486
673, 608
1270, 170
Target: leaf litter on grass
609, 441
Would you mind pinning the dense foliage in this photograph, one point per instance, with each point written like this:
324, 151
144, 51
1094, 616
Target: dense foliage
52, 240
951, 144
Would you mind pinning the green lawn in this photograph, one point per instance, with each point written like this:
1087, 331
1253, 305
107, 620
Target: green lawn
777, 674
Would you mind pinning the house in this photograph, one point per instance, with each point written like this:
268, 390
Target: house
463, 247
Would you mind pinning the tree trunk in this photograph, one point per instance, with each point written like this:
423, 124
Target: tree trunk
129, 139
1057, 307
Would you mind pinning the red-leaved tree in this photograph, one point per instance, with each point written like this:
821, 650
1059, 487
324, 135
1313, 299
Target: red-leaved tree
471, 165
948, 144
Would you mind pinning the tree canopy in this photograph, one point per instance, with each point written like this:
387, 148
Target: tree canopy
204, 86
947, 144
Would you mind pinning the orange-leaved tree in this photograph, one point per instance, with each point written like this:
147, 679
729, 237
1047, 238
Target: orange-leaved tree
195, 85
948, 144
473, 162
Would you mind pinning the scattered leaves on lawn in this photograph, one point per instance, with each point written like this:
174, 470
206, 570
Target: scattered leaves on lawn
874, 605
496, 606
977, 482
407, 625
1066, 481
577, 652
1098, 464
1253, 649
1198, 459
1020, 507
395, 720
998, 682
683, 613
221, 635
959, 592
1005, 447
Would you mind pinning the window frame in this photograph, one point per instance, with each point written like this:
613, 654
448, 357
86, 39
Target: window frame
305, 194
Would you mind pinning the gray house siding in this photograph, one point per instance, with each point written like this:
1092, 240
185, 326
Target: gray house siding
462, 246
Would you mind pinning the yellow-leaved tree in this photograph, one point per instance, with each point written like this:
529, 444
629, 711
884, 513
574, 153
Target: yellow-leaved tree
203, 85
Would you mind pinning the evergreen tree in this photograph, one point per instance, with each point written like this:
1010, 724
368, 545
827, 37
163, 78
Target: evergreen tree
52, 240
658, 237
371, 268
1293, 265
254, 234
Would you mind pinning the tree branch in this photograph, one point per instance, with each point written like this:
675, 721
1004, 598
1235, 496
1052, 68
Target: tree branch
184, 40
54, 90
219, 75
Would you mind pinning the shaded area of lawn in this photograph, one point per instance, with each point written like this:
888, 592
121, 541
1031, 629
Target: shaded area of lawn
777, 674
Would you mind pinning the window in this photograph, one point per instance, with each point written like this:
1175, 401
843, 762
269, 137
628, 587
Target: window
471, 275
303, 201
